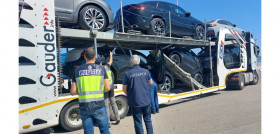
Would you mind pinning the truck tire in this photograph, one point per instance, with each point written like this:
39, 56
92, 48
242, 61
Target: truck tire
69, 118
199, 78
255, 78
123, 107
241, 82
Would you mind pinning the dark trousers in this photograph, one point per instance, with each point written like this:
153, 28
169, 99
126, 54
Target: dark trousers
137, 113
154, 97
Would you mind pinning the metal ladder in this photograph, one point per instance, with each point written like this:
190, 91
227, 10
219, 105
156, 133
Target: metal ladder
185, 77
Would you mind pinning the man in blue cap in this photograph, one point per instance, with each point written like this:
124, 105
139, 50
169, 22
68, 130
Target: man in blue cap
109, 96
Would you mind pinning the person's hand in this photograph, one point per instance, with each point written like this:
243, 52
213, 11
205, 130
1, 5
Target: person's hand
111, 54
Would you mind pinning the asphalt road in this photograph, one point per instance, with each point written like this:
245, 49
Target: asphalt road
222, 112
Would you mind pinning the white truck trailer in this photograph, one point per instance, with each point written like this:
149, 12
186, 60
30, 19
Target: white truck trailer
42, 104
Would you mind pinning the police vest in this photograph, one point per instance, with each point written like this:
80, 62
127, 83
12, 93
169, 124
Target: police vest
109, 74
90, 85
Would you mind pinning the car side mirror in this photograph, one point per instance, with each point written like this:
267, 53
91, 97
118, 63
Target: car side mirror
234, 25
188, 14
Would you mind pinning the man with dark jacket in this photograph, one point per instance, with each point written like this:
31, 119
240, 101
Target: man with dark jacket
136, 87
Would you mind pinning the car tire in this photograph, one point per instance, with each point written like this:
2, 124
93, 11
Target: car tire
123, 107
157, 27
241, 82
176, 59
167, 85
85, 19
69, 118
199, 78
199, 33
255, 78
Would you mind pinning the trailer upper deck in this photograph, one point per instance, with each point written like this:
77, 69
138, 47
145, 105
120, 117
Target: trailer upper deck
76, 38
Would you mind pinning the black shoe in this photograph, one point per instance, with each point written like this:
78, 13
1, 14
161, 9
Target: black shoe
153, 112
157, 111
117, 122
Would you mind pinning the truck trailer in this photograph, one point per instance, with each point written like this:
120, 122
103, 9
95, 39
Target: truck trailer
42, 104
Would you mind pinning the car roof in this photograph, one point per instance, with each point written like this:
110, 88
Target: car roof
156, 2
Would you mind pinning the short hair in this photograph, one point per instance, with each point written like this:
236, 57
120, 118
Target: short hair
90, 53
135, 59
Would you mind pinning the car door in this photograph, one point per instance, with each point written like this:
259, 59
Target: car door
158, 66
224, 24
177, 20
64, 9
189, 63
121, 62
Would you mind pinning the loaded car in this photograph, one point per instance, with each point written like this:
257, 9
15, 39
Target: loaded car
120, 65
82, 13
214, 26
152, 17
187, 60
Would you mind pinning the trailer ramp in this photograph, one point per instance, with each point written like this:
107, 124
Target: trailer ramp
185, 77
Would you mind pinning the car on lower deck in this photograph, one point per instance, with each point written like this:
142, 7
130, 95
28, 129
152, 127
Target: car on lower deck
187, 60
120, 65
152, 17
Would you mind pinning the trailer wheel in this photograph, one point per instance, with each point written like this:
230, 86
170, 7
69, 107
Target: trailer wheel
69, 117
241, 82
255, 78
123, 107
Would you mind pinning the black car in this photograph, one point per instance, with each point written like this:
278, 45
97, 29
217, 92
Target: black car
187, 60
120, 65
152, 17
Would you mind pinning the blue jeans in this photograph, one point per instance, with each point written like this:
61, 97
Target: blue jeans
154, 97
99, 116
137, 113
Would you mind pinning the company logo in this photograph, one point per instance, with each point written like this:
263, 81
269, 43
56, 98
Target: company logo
48, 79
221, 53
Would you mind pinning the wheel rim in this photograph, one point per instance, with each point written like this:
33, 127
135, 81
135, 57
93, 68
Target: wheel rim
255, 78
72, 116
159, 27
166, 86
120, 104
94, 18
200, 33
198, 78
176, 59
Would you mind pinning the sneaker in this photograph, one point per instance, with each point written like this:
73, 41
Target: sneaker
157, 111
117, 122
153, 112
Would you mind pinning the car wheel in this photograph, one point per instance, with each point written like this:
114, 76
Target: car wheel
123, 107
199, 78
199, 33
69, 118
92, 16
176, 59
157, 27
166, 86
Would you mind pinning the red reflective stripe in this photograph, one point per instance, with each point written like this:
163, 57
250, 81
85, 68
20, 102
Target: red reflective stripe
222, 42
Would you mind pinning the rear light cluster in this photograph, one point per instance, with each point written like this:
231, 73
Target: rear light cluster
235, 79
211, 25
140, 7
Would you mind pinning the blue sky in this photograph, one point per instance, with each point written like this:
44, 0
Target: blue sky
246, 14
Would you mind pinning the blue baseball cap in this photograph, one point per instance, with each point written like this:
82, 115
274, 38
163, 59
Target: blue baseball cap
98, 60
